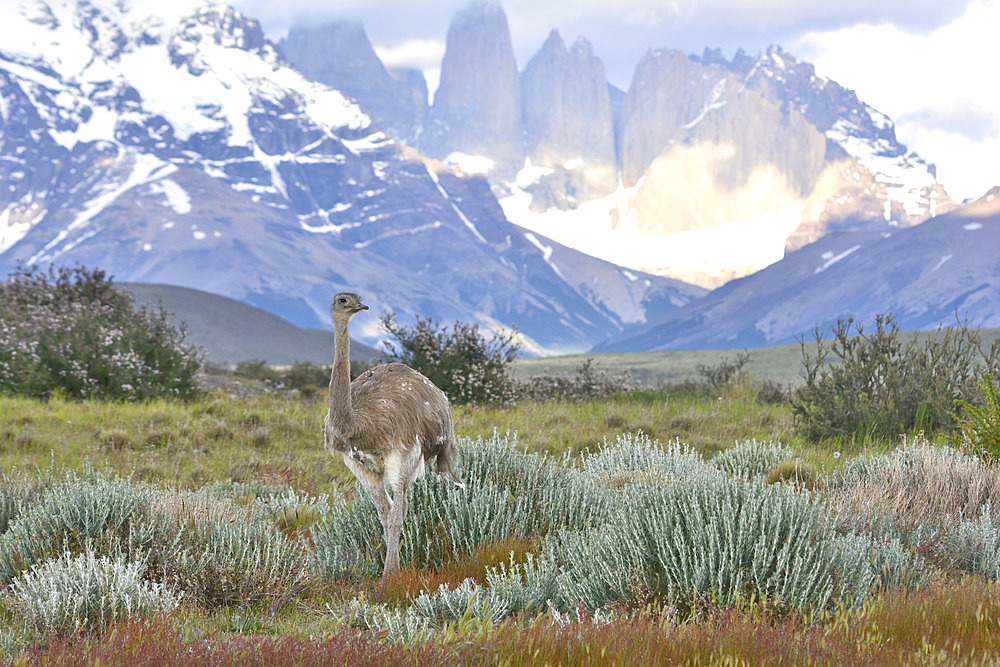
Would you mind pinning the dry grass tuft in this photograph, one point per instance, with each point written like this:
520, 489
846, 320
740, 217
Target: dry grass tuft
918, 482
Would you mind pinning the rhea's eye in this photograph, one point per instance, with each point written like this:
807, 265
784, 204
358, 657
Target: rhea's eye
343, 300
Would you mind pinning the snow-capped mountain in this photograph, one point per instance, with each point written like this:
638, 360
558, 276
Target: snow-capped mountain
181, 148
705, 170
951, 267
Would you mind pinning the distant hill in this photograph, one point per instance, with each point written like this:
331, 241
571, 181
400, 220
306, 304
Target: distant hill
231, 331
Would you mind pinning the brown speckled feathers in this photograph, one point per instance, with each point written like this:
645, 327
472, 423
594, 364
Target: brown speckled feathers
392, 404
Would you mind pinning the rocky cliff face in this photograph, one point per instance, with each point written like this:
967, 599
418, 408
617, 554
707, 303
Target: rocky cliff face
568, 124
708, 150
185, 151
724, 165
878, 182
339, 55
477, 108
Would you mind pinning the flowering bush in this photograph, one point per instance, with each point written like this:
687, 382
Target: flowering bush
73, 330
458, 359
588, 383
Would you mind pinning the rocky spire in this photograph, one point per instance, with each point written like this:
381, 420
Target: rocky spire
477, 104
566, 109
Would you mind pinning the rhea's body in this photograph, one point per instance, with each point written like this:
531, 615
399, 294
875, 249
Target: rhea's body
399, 416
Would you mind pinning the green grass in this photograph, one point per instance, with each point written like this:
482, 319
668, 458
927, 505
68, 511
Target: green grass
268, 439
276, 441
708, 424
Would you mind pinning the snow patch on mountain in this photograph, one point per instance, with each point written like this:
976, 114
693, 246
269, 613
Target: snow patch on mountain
907, 180
745, 245
176, 196
831, 259
142, 168
470, 164
941, 262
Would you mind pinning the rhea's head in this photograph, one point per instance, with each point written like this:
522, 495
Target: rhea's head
346, 304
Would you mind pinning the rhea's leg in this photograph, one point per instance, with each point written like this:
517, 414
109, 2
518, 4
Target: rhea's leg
409, 468
394, 528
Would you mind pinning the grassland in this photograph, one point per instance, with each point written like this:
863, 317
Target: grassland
252, 442
779, 364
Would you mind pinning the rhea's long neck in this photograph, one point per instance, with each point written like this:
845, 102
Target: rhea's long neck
340, 379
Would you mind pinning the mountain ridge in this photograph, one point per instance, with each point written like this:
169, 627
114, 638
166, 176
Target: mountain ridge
760, 147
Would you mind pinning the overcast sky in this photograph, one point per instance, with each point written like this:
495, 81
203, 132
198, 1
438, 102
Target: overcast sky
931, 65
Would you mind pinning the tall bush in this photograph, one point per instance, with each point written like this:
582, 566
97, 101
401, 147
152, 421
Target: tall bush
460, 359
74, 331
979, 428
884, 383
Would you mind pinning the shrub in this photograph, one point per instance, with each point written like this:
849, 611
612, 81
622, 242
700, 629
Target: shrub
304, 375
452, 604
78, 513
467, 366
85, 592
751, 459
980, 429
589, 383
706, 539
257, 369
508, 495
975, 544
877, 384
725, 373
917, 482
634, 457
75, 332
221, 563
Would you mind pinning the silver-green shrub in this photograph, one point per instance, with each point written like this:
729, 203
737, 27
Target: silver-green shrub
77, 513
83, 592
221, 562
509, 494
450, 604
527, 586
751, 458
400, 625
635, 457
276, 505
706, 537
974, 544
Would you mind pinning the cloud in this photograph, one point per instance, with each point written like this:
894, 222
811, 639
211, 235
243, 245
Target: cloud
937, 86
422, 53
965, 118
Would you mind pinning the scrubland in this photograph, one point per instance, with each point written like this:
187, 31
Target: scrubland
654, 526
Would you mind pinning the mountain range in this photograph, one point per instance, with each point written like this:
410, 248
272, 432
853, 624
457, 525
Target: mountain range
183, 149
188, 149
704, 169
